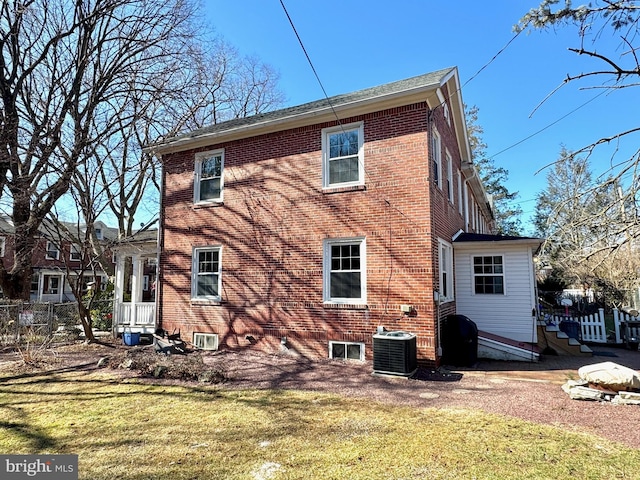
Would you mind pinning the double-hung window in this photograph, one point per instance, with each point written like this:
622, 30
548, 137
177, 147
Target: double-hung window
446, 271
209, 180
488, 274
53, 252
75, 254
343, 155
449, 161
345, 271
436, 158
206, 277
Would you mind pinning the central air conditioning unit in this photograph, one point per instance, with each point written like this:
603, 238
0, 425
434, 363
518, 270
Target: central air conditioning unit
205, 341
395, 353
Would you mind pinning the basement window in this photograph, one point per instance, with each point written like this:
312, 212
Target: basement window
205, 341
346, 350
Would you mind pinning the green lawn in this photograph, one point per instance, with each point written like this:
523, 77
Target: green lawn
131, 430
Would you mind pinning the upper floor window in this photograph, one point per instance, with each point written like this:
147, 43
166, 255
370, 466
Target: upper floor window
447, 114
459, 192
53, 252
209, 177
446, 271
75, 255
343, 155
488, 274
436, 157
99, 235
206, 277
449, 161
345, 270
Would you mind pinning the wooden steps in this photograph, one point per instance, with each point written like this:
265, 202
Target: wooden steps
550, 336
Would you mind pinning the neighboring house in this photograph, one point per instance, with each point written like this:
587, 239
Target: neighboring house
135, 283
310, 227
53, 252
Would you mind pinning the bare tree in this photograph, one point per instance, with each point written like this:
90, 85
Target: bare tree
607, 211
585, 223
67, 70
120, 178
212, 83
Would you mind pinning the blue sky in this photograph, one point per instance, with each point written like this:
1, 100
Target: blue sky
356, 44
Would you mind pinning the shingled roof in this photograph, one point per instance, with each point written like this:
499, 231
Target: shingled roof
420, 84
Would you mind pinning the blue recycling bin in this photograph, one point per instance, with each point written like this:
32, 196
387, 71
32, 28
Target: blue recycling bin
131, 338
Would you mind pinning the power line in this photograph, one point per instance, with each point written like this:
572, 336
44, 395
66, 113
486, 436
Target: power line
308, 58
492, 59
547, 126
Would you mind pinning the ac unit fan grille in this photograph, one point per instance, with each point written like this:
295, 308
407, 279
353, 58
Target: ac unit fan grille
394, 356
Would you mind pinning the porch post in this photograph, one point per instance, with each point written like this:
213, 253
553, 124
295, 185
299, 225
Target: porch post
136, 286
63, 282
118, 290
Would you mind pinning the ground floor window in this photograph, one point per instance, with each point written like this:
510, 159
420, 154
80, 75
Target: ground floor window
206, 273
446, 271
488, 274
345, 270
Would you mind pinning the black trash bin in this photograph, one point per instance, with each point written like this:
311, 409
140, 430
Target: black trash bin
459, 341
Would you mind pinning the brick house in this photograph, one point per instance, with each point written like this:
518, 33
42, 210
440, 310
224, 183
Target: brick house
309, 227
51, 256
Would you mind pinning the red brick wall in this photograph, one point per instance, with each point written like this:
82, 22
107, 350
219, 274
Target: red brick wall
272, 226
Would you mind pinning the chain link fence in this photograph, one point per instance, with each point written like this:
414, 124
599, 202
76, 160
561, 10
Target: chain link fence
29, 322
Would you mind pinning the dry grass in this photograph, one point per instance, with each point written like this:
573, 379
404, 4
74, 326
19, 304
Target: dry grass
131, 430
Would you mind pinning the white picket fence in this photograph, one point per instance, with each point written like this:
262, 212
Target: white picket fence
593, 328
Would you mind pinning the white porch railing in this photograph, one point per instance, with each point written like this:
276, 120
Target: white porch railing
144, 314
593, 327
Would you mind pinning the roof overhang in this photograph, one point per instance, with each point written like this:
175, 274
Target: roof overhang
324, 113
495, 241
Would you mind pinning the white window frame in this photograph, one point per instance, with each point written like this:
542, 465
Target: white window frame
199, 159
200, 340
445, 262
488, 274
326, 160
346, 345
460, 201
99, 234
75, 255
327, 244
35, 280
51, 247
436, 158
449, 161
195, 273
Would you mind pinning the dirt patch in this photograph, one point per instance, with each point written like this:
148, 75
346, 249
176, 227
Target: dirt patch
527, 391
